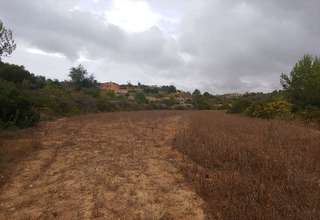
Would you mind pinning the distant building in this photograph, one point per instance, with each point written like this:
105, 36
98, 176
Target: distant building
123, 90
116, 88
110, 86
232, 95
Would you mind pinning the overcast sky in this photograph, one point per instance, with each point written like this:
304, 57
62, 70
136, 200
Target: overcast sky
220, 46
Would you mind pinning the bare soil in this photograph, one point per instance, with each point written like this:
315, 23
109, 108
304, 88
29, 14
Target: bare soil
103, 166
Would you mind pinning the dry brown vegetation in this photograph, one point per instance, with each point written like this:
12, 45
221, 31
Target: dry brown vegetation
252, 169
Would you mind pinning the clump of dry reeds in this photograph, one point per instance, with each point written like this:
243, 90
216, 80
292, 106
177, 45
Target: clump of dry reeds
252, 169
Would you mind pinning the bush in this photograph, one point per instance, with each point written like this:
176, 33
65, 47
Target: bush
239, 106
56, 100
140, 98
20, 76
268, 110
13, 73
311, 114
16, 108
104, 101
84, 102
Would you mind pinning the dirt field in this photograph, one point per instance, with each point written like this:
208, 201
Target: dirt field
161, 165
105, 166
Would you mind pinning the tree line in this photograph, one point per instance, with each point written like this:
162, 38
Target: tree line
26, 98
300, 96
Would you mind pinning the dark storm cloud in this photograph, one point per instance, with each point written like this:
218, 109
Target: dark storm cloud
219, 45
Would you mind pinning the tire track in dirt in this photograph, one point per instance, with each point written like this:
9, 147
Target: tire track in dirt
105, 166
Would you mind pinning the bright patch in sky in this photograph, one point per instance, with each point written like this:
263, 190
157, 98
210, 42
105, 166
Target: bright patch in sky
132, 15
40, 52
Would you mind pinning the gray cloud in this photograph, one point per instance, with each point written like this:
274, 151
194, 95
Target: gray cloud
220, 46
238, 41
57, 29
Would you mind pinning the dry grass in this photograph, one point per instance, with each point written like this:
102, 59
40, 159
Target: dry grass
252, 169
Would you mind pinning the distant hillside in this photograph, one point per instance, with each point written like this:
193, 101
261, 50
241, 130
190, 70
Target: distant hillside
27, 98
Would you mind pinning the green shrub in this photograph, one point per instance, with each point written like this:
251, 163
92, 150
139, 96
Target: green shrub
169, 102
239, 106
56, 99
311, 114
199, 101
84, 102
273, 109
16, 108
140, 98
93, 92
20, 76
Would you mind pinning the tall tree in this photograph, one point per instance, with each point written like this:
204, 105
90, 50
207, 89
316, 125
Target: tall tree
302, 85
196, 93
7, 43
81, 79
